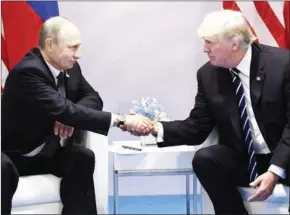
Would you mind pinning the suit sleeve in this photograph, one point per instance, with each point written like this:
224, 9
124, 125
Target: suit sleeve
34, 89
88, 97
193, 130
281, 155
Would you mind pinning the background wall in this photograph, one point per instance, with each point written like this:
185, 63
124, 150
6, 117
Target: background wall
136, 49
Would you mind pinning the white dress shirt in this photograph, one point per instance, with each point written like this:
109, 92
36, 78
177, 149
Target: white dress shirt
260, 146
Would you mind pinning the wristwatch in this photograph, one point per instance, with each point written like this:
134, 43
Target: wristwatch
120, 120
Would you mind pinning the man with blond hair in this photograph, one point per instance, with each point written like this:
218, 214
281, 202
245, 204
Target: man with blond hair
45, 98
244, 90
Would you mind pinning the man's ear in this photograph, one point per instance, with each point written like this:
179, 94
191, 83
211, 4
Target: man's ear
49, 44
235, 45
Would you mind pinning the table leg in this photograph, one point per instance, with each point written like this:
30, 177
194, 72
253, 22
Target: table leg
195, 194
116, 192
187, 194
200, 197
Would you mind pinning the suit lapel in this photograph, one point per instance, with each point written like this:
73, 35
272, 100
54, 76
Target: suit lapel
257, 80
71, 84
257, 75
67, 83
46, 70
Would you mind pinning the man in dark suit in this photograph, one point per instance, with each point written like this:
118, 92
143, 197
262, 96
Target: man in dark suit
244, 90
45, 98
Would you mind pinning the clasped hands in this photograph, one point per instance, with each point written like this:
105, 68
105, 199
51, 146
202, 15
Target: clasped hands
135, 124
139, 125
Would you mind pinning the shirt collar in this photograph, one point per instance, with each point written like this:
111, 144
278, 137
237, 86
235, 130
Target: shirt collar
55, 72
245, 65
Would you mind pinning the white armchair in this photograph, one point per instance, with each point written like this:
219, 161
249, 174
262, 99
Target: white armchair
277, 203
39, 194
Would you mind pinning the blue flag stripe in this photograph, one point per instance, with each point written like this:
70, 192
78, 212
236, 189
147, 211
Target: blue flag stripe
45, 9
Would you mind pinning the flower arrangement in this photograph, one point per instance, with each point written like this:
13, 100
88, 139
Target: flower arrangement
149, 107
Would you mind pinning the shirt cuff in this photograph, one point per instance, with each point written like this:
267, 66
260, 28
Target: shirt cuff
113, 117
277, 170
160, 132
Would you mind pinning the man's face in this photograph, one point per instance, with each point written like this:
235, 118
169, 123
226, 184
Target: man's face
65, 48
219, 52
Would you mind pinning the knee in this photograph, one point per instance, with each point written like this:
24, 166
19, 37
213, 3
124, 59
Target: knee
201, 159
9, 173
7, 167
85, 158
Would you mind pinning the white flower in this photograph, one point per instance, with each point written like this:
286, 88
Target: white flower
149, 107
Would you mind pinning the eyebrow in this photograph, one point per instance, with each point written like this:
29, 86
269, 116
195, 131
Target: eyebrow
208, 40
74, 44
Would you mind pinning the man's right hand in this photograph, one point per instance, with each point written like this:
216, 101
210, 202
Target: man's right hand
138, 125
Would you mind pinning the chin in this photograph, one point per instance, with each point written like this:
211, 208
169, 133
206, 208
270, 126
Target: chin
213, 63
69, 66
216, 64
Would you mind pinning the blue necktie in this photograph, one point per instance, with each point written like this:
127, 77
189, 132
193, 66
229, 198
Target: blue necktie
252, 165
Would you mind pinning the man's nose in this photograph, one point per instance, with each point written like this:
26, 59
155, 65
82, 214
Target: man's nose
77, 54
205, 48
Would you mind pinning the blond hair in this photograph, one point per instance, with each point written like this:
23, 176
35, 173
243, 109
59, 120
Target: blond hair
51, 28
226, 24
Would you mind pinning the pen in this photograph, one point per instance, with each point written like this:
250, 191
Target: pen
131, 147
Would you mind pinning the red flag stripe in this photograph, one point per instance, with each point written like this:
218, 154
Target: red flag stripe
272, 22
286, 13
21, 27
4, 55
232, 5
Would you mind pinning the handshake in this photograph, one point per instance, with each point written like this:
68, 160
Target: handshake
136, 124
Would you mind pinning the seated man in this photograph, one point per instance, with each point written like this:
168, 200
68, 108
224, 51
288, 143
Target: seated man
244, 90
45, 98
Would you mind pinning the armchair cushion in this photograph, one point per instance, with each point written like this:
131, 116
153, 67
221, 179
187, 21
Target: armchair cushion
40, 190
36, 189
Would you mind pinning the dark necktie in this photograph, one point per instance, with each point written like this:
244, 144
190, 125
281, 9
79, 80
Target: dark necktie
61, 84
52, 142
252, 164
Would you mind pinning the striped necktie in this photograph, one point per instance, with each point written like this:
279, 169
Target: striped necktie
252, 165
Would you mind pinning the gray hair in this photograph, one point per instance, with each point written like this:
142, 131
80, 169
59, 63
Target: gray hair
226, 24
51, 28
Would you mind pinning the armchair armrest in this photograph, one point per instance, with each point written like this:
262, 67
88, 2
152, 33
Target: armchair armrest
99, 145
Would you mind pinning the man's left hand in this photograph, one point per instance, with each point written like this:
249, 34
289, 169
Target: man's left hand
63, 131
266, 184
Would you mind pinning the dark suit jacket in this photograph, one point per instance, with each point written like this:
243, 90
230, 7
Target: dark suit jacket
31, 104
216, 105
